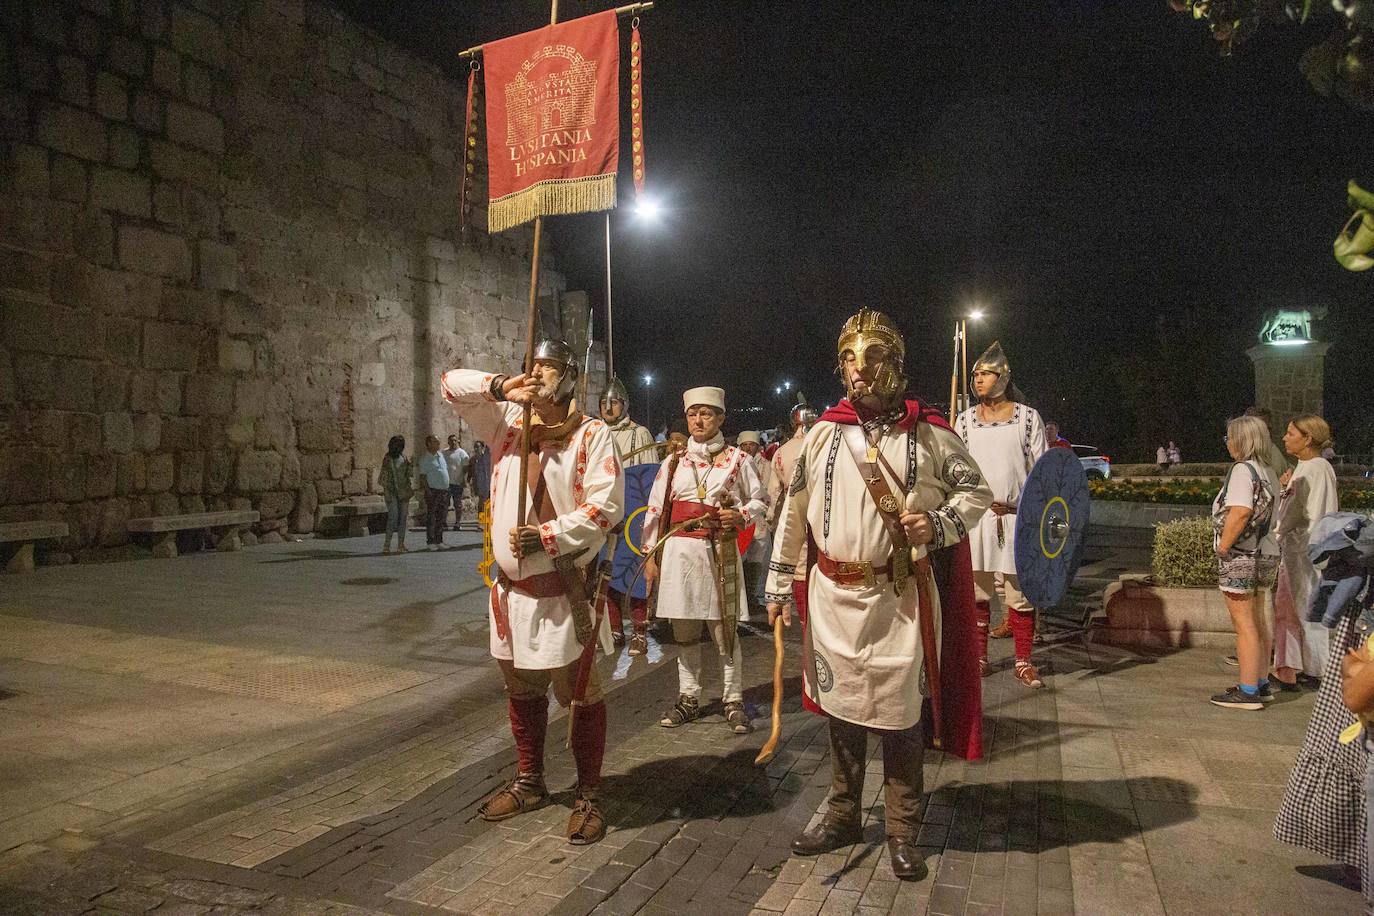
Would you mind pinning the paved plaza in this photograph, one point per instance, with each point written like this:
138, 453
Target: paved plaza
309, 727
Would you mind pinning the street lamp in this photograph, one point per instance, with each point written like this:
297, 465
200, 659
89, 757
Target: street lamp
647, 209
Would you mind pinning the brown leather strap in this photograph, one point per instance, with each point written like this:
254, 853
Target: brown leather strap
888, 504
925, 612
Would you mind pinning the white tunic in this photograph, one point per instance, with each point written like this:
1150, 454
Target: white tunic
761, 547
631, 437
784, 465
863, 645
1005, 452
687, 578
587, 491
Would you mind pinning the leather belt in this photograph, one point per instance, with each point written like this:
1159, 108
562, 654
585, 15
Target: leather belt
685, 510
540, 585
851, 573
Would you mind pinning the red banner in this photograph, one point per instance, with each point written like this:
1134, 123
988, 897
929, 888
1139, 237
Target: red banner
553, 120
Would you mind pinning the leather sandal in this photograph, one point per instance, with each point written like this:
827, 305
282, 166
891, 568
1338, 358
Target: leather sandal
1001, 631
685, 710
525, 793
586, 824
1026, 674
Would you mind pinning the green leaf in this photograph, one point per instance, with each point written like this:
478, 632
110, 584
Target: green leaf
1360, 199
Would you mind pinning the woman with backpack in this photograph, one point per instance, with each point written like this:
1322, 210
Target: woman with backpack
1248, 554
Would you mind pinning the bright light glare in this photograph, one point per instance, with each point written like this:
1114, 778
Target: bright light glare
976, 314
1289, 342
646, 208
648, 379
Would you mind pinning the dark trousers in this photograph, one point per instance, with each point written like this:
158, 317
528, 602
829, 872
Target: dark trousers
457, 494
903, 775
436, 512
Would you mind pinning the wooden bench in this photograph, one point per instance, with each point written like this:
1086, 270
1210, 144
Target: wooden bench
24, 534
165, 528
350, 517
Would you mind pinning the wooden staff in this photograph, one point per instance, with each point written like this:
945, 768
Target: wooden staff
770, 747
954, 378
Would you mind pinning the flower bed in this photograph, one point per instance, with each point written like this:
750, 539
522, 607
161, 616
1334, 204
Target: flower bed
1201, 491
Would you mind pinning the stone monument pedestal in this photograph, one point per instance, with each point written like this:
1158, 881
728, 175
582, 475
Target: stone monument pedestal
1288, 379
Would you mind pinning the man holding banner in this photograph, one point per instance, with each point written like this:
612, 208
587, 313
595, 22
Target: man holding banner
702, 498
881, 485
542, 629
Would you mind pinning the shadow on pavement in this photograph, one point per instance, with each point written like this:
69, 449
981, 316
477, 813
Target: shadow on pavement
689, 787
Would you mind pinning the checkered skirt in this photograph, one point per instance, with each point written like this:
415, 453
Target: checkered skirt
1324, 805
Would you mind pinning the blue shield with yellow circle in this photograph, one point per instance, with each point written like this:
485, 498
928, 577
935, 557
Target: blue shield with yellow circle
627, 540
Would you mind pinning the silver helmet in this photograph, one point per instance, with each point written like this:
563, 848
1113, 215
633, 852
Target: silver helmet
803, 415
553, 350
615, 391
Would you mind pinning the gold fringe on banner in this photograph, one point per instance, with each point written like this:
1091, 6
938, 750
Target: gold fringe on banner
552, 197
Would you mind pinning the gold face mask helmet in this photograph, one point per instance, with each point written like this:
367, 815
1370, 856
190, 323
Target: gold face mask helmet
994, 360
874, 340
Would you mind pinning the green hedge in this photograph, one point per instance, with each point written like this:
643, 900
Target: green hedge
1201, 492
1197, 469
1183, 556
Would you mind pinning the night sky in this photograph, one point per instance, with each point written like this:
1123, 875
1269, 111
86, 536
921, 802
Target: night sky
1122, 202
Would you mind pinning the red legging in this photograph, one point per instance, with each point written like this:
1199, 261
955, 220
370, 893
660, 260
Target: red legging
1022, 625
639, 610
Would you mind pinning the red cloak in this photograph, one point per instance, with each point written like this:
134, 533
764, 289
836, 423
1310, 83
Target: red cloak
961, 682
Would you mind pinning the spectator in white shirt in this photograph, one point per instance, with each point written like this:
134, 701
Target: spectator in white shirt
457, 460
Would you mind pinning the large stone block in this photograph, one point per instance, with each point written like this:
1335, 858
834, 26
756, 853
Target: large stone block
24, 475
147, 432
131, 475
46, 328
72, 131
219, 470
126, 147
67, 478
183, 434
235, 355
195, 128
211, 395
114, 522
172, 346
320, 435
84, 432
219, 266
116, 292
128, 56
190, 472
197, 35
167, 70
166, 504
155, 392
314, 466
29, 168
184, 305
25, 272
291, 471
102, 476
111, 97
152, 252
340, 464
275, 431
239, 431
329, 491
124, 341
117, 432
303, 517
275, 505
358, 482
121, 191
250, 396
258, 471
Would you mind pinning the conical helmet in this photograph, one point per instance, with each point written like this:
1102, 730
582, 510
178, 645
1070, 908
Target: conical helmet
615, 391
862, 333
553, 350
994, 360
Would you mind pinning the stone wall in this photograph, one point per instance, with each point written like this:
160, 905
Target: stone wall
230, 261
1289, 380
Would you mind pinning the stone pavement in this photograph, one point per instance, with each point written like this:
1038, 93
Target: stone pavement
310, 727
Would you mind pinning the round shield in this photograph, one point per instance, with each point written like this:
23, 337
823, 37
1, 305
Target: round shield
1051, 522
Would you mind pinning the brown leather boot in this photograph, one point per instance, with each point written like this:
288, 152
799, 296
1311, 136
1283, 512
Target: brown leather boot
1002, 630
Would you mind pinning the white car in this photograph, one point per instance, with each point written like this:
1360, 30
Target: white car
1096, 465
